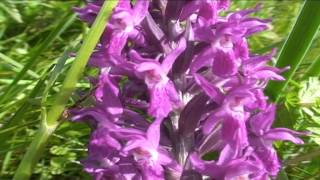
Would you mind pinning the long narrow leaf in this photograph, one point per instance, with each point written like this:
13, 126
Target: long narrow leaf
17, 65
59, 68
50, 121
18, 116
297, 45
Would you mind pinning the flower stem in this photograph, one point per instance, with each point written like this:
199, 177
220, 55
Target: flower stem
51, 120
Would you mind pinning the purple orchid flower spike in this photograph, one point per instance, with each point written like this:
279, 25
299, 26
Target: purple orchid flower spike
177, 82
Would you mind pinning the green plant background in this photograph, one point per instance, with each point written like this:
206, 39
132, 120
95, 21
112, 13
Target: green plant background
38, 35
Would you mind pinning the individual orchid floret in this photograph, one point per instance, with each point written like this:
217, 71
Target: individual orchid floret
88, 13
207, 9
231, 116
123, 25
163, 95
124, 22
108, 105
262, 136
256, 68
261, 123
227, 39
231, 169
146, 151
107, 94
104, 160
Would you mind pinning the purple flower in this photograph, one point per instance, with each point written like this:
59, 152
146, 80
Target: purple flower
206, 9
104, 160
163, 95
177, 82
124, 24
149, 156
256, 68
227, 168
262, 136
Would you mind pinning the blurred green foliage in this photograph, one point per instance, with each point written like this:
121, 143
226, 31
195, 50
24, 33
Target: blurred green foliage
25, 24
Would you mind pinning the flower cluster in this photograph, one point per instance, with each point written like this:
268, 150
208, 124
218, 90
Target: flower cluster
178, 83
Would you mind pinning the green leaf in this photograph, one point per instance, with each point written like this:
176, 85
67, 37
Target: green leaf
297, 45
18, 66
15, 120
310, 91
59, 150
51, 120
282, 175
56, 72
314, 69
11, 10
57, 165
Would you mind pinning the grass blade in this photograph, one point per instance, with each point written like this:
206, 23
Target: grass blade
61, 27
59, 68
11, 10
50, 121
297, 45
314, 69
18, 116
17, 65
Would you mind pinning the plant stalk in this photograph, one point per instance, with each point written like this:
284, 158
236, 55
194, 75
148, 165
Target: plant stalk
50, 120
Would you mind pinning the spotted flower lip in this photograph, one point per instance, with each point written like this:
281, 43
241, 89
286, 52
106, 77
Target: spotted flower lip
176, 86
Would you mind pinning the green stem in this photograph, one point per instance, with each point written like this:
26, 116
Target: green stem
297, 45
7, 158
32, 156
50, 123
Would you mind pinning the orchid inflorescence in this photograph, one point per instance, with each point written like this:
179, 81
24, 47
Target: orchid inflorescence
178, 84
